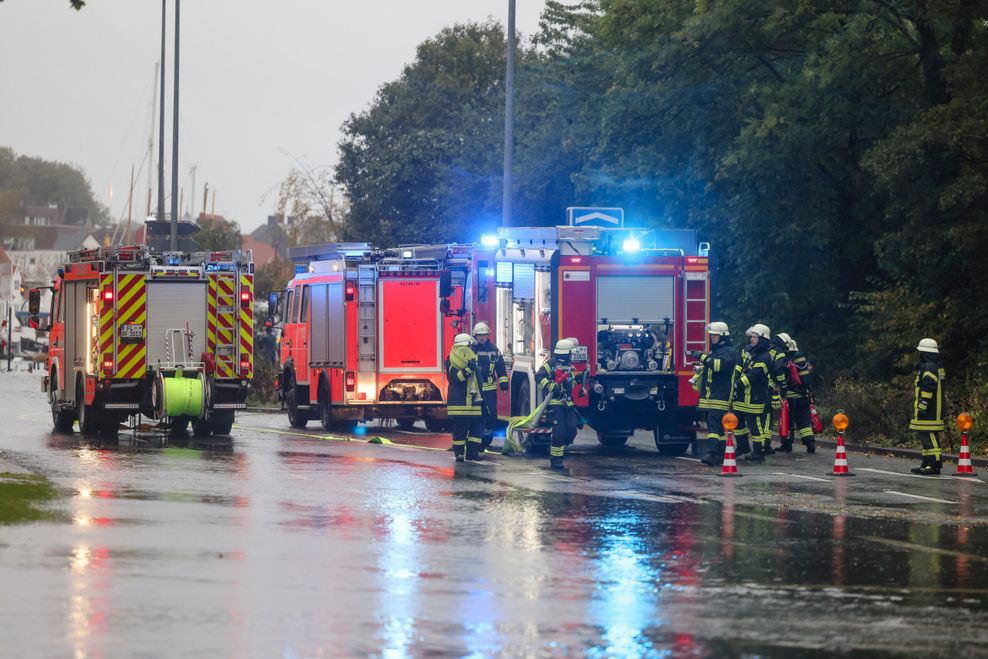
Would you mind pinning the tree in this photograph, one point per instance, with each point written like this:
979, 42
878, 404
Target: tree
218, 234
309, 198
273, 276
25, 179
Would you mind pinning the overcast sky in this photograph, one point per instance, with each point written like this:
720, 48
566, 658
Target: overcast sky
258, 77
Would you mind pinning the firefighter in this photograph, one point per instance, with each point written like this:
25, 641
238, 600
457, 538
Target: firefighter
492, 376
928, 406
777, 354
753, 389
463, 399
716, 384
798, 391
267, 346
556, 380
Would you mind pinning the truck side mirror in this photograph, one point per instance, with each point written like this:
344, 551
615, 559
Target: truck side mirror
34, 302
445, 284
274, 303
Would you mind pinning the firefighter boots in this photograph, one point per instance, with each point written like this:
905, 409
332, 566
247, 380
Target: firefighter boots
758, 455
785, 446
929, 467
768, 449
810, 445
713, 458
555, 463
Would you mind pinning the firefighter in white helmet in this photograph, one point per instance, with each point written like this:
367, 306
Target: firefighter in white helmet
753, 389
716, 384
929, 406
556, 380
492, 375
800, 379
463, 399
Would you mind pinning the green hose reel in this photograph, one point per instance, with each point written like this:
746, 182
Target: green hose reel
182, 396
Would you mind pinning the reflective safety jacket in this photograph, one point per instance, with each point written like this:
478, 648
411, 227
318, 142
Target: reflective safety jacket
491, 371
806, 377
777, 374
928, 397
462, 392
717, 377
752, 383
556, 380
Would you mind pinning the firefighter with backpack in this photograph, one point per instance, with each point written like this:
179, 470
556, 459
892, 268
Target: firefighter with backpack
799, 380
463, 397
556, 380
753, 396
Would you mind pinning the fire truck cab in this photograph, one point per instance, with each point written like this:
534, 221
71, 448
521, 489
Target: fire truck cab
166, 335
635, 300
365, 332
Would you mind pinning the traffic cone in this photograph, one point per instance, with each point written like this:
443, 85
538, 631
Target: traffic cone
964, 466
730, 466
840, 458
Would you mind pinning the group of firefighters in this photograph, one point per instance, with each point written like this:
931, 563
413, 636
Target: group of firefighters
768, 374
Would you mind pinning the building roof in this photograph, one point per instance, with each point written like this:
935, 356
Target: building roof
3, 255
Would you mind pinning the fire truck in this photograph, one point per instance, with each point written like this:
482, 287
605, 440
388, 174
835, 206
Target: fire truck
166, 335
636, 301
365, 332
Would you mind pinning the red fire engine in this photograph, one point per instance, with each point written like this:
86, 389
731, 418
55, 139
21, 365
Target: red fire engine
365, 333
166, 335
635, 300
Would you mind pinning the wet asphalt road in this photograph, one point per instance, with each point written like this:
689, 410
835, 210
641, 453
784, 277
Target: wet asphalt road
299, 544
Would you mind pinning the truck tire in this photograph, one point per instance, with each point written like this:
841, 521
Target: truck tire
612, 440
672, 449
406, 424
179, 428
202, 428
437, 425
296, 418
88, 424
61, 418
326, 418
222, 422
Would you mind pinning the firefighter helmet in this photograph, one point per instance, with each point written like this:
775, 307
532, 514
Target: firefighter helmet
481, 328
928, 345
785, 338
718, 328
761, 330
463, 340
563, 347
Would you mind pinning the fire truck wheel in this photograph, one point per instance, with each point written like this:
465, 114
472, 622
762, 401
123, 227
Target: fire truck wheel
668, 448
180, 427
406, 424
109, 431
296, 418
202, 428
612, 440
61, 418
222, 422
326, 412
88, 424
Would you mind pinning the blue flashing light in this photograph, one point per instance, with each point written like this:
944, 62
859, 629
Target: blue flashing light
174, 260
488, 240
631, 245
360, 431
301, 269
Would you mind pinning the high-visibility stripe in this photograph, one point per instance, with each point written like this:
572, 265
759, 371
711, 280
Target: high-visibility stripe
131, 309
105, 317
247, 325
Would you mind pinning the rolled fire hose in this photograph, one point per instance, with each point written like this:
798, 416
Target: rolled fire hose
183, 396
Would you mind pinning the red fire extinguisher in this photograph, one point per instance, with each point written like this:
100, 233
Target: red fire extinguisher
784, 420
815, 422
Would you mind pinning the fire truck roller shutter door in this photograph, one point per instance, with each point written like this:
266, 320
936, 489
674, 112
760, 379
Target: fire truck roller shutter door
622, 298
175, 305
327, 325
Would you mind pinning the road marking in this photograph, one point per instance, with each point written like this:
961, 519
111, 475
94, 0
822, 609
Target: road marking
932, 550
809, 478
899, 473
680, 457
917, 496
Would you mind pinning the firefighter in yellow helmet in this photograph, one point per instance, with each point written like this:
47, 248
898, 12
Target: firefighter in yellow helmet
556, 380
492, 375
928, 406
463, 399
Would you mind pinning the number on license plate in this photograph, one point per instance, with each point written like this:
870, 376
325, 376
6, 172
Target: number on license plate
579, 354
132, 331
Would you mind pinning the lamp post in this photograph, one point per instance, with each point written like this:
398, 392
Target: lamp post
509, 117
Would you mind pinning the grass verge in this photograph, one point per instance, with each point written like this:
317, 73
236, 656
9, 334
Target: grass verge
20, 496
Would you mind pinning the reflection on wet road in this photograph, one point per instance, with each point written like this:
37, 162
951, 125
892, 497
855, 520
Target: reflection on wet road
298, 544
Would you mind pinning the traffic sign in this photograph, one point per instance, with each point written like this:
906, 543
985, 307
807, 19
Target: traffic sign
580, 216
164, 228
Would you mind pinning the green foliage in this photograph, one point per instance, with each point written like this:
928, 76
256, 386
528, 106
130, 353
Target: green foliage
20, 495
217, 233
34, 180
272, 276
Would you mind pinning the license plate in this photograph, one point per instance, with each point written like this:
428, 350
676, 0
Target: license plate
579, 354
224, 351
132, 331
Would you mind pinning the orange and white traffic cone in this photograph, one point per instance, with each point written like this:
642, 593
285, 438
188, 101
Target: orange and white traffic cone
730, 466
840, 456
964, 466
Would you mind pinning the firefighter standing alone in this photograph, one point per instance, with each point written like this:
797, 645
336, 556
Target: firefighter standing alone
716, 384
463, 399
556, 380
492, 375
928, 406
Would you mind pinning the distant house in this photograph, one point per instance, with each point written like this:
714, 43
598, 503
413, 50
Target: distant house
47, 215
10, 285
272, 233
263, 252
